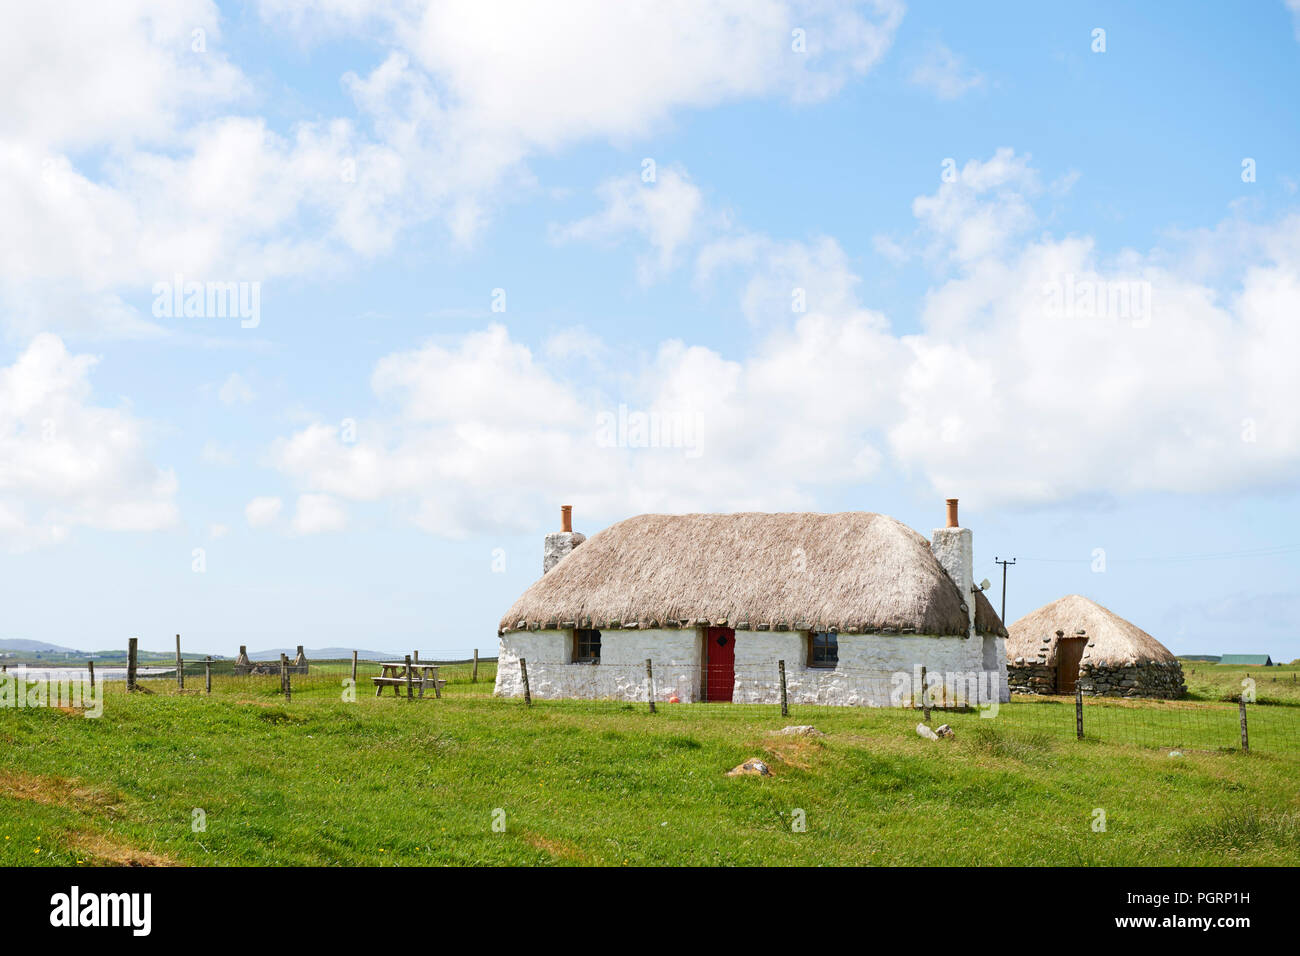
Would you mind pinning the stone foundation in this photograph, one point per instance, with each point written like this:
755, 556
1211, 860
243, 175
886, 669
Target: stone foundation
1150, 679
1033, 678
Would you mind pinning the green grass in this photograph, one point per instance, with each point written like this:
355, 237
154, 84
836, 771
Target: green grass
318, 780
1280, 685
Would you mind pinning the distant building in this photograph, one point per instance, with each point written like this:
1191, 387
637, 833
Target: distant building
1247, 660
243, 666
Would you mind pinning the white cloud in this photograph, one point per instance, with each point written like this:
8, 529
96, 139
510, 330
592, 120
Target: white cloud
976, 215
318, 513
945, 74
1294, 7
262, 511
664, 213
79, 74
1005, 396
235, 390
118, 158
67, 463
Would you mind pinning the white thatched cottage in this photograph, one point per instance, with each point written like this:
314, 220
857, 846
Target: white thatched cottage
1074, 642
854, 604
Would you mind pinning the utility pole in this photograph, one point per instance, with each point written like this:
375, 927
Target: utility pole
1004, 585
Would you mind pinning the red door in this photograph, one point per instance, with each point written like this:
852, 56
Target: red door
719, 663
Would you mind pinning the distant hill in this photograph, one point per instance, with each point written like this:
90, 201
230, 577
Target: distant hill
324, 654
36, 647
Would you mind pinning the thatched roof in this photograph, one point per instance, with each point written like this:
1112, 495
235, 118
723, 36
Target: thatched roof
854, 572
1111, 639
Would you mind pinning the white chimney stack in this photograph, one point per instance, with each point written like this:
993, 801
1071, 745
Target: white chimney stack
559, 543
953, 548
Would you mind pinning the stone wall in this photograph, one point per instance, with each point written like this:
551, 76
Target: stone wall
1102, 679
874, 670
1144, 679
1032, 677
620, 675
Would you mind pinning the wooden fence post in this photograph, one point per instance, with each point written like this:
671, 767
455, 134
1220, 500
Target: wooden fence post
130, 664
284, 676
180, 666
90, 666
523, 673
1078, 711
354, 669
409, 694
649, 685
207, 674
1245, 738
785, 705
415, 657
925, 696
474, 677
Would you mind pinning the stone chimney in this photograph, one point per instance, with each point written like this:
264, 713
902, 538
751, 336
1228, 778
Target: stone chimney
560, 543
953, 548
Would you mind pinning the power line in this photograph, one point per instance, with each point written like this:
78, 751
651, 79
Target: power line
1268, 552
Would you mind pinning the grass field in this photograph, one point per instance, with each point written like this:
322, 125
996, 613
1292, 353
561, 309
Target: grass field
1217, 682
318, 780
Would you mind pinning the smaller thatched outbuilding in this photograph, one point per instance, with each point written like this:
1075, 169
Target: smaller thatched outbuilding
1075, 640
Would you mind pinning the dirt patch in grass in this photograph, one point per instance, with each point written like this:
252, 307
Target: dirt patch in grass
101, 850
797, 752
55, 791
558, 849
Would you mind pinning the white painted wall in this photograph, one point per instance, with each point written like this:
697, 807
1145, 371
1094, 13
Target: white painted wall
864, 676
620, 675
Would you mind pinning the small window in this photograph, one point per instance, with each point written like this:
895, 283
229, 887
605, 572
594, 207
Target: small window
586, 646
823, 649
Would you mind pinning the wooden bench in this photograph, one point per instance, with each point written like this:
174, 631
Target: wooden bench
394, 674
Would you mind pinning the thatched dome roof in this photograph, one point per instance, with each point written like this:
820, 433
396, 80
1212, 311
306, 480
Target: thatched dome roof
1111, 639
853, 572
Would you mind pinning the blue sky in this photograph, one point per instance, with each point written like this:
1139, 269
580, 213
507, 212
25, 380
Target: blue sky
374, 463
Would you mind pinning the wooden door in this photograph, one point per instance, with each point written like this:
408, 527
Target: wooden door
719, 663
1069, 653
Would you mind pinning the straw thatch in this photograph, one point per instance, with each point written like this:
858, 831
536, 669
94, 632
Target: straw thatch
854, 572
1111, 639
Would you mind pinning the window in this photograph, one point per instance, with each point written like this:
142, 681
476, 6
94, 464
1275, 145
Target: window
823, 649
586, 646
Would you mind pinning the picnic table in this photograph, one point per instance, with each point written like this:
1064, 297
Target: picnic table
399, 674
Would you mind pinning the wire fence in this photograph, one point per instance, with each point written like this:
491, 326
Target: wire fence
800, 689
796, 690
